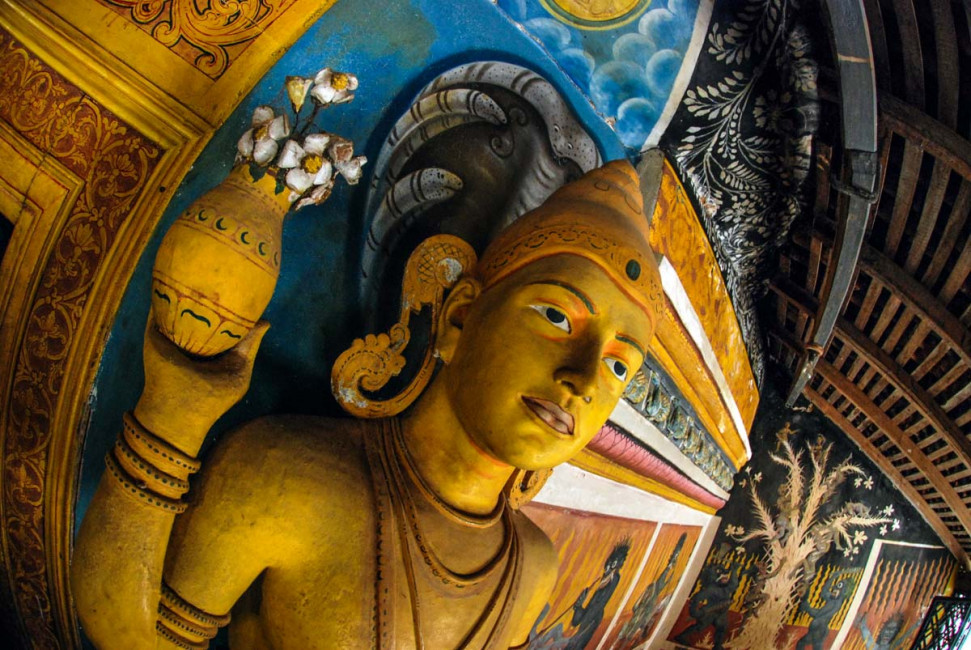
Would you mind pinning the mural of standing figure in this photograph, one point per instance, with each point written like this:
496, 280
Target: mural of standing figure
645, 610
586, 617
834, 593
709, 607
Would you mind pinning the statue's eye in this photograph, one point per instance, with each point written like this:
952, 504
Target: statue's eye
554, 316
618, 368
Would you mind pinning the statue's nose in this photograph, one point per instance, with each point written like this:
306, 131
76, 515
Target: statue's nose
578, 373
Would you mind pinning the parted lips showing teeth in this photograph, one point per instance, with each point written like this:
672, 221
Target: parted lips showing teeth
551, 413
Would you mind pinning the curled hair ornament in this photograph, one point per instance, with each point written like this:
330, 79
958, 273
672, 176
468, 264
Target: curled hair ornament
370, 363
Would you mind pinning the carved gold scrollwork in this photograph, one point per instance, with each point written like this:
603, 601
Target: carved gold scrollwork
114, 162
368, 365
210, 28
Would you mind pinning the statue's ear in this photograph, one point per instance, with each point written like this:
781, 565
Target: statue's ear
451, 319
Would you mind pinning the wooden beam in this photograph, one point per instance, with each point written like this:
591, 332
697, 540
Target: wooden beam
892, 431
919, 299
925, 404
909, 45
932, 136
915, 296
909, 491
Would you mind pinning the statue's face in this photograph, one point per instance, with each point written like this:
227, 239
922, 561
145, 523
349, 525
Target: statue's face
542, 359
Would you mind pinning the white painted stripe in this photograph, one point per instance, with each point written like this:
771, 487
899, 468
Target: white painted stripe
686, 312
572, 487
698, 34
629, 419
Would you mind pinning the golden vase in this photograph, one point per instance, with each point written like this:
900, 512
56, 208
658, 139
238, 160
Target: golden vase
218, 264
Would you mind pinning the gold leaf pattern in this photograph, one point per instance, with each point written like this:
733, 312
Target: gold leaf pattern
207, 35
115, 162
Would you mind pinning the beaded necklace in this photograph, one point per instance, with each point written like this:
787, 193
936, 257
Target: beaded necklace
397, 511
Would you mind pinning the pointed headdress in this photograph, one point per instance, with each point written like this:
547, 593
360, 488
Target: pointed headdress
599, 217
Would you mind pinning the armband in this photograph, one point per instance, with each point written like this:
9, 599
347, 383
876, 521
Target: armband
150, 469
182, 623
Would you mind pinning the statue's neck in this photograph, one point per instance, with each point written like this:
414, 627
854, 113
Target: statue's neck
450, 463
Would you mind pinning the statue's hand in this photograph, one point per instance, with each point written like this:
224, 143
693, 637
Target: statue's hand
184, 395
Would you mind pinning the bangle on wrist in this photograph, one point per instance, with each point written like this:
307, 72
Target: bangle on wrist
130, 487
156, 451
147, 475
182, 619
150, 469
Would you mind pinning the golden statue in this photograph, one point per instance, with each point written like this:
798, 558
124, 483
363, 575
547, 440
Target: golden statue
392, 532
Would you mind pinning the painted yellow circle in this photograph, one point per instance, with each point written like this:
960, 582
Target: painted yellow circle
597, 11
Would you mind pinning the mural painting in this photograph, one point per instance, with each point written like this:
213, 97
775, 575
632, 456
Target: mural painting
901, 581
651, 595
627, 57
789, 564
599, 558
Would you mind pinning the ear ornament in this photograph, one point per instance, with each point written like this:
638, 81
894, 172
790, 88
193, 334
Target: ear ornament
369, 363
525, 484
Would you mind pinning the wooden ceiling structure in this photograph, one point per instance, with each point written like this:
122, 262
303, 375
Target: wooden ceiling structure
896, 373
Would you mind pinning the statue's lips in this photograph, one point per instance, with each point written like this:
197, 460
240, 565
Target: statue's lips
551, 413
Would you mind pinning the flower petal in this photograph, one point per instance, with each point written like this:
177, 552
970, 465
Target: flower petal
291, 156
315, 143
262, 115
323, 94
324, 174
341, 149
280, 127
298, 180
324, 77
351, 170
297, 88
264, 150
343, 97
245, 144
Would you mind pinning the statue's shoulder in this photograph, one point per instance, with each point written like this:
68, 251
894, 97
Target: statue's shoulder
538, 550
298, 455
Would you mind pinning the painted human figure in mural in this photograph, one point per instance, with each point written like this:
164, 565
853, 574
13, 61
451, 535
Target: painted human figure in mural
835, 591
711, 604
650, 604
398, 529
587, 610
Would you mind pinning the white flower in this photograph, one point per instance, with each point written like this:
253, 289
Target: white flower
888, 511
857, 482
757, 477
856, 550
309, 168
859, 537
297, 88
259, 143
883, 529
351, 170
868, 483
896, 524
847, 551
333, 87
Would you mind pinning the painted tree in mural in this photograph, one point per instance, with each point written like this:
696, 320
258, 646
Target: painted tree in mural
796, 535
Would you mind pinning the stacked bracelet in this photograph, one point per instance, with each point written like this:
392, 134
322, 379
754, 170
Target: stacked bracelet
150, 469
184, 624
